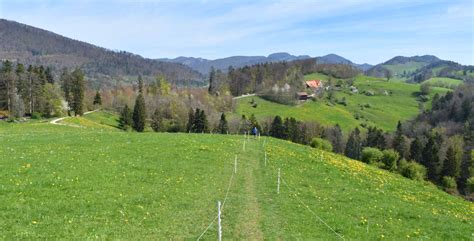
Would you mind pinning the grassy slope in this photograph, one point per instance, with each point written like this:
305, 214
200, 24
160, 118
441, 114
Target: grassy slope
385, 111
398, 69
63, 182
442, 81
99, 119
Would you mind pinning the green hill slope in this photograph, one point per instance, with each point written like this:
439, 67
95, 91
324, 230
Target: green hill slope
381, 110
61, 182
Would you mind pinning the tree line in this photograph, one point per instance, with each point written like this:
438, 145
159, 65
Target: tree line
34, 91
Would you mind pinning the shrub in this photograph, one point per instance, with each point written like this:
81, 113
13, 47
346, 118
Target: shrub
371, 155
389, 159
412, 170
321, 144
35, 115
449, 182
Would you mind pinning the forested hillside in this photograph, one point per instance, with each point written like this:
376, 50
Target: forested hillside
29, 45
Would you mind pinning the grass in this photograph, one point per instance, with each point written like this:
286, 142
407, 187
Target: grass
384, 112
62, 182
443, 82
98, 119
398, 69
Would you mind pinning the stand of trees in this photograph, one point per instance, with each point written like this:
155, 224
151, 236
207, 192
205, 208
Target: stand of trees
33, 91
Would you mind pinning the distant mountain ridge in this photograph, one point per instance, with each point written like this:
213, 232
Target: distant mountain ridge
29, 45
336, 59
204, 65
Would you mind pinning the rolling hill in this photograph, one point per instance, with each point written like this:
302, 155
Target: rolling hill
420, 68
30, 45
383, 111
99, 183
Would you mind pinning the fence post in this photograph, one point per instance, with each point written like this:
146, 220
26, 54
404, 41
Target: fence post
278, 186
219, 227
235, 164
243, 148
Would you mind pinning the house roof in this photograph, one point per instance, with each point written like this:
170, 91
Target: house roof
314, 84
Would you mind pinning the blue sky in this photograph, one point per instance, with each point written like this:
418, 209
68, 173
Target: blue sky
369, 31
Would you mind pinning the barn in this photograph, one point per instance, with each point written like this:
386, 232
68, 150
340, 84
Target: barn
314, 85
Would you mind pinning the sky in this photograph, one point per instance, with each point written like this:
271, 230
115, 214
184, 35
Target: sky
364, 31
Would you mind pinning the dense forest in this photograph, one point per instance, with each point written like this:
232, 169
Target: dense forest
32, 46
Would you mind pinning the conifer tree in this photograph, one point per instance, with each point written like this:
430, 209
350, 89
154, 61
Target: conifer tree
399, 142
140, 84
97, 99
139, 114
223, 127
451, 166
431, 159
354, 145
416, 150
212, 81
277, 129
77, 88
125, 121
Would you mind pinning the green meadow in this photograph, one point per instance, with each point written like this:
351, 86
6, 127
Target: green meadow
381, 110
95, 182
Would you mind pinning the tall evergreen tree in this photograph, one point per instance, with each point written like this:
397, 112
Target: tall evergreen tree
431, 158
416, 150
97, 99
399, 142
452, 163
140, 84
212, 81
354, 145
223, 127
139, 114
78, 88
277, 129
125, 121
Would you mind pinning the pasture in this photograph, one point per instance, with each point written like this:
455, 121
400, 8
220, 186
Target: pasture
61, 182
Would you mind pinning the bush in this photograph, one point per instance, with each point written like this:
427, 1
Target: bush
389, 159
321, 144
412, 170
449, 183
36, 115
371, 155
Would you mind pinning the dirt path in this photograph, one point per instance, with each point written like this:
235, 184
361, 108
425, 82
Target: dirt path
57, 120
250, 217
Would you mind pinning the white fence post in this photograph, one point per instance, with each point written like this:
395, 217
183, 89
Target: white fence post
219, 227
278, 186
235, 164
243, 148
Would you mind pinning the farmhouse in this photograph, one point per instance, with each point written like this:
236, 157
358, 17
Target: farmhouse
314, 85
